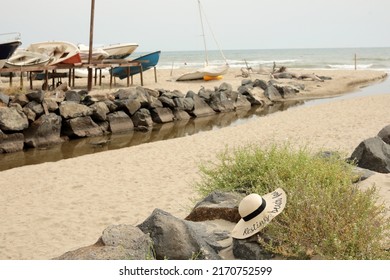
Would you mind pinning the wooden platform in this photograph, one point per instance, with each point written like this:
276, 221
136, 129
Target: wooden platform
51, 73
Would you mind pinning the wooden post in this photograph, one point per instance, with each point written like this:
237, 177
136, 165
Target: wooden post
91, 44
355, 61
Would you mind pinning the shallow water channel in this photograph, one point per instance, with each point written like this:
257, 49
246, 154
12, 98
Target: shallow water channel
79, 147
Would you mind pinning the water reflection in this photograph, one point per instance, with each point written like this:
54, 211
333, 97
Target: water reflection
159, 132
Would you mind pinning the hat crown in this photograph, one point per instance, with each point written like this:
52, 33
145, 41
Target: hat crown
249, 204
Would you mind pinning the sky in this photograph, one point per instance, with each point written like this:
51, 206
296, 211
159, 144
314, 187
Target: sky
173, 25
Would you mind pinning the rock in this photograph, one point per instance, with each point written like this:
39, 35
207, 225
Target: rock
220, 102
20, 98
36, 107
132, 105
36, 96
81, 127
272, 93
4, 99
142, 118
217, 205
201, 108
176, 239
205, 94
125, 93
52, 104
361, 174
72, 96
69, 110
44, 132
12, 118
181, 115
250, 249
11, 143
30, 114
118, 242
242, 102
373, 154
100, 111
384, 134
186, 103
260, 83
225, 87
162, 115
119, 122
167, 102
286, 90
255, 96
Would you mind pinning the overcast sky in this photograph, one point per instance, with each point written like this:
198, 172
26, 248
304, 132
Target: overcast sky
175, 24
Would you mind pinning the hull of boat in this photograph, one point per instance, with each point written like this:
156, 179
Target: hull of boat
98, 54
120, 51
6, 51
147, 61
27, 58
208, 71
60, 52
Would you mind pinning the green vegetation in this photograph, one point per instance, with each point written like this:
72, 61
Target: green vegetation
326, 215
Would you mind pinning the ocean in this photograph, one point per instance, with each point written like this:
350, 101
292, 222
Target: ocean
335, 58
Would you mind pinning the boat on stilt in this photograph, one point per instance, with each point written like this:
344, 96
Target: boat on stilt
60, 52
120, 51
9, 42
27, 58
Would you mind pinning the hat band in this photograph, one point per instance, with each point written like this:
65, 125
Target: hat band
256, 212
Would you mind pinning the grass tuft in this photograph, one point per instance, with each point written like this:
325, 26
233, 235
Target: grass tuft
326, 214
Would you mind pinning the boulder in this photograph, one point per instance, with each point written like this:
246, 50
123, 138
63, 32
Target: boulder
4, 100
186, 103
51, 104
201, 108
272, 93
12, 118
11, 143
142, 118
69, 110
373, 154
36, 96
384, 134
118, 242
260, 83
20, 98
217, 205
162, 115
180, 115
81, 127
30, 114
255, 96
176, 239
119, 122
132, 105
100, 111
43, 132
36, 107
220, 102
242, 102
167, 102
250, 249
72, 96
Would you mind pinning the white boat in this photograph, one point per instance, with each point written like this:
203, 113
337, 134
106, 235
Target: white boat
120, 51
27, 58
9, 42
209, 72
59, 51
97, 53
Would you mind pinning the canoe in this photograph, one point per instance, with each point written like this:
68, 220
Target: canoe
8, 47
208, 71
120, 51
27, 58
59, 51
147, 61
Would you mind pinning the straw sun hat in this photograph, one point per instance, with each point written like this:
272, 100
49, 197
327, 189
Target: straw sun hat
257, 211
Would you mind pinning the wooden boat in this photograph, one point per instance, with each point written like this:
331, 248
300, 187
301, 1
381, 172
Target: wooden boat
8, 46
27, 58
59, 51
208, 72
120, 51
97, 53
147, 61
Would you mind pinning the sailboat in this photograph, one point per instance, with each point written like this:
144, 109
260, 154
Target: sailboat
208, 72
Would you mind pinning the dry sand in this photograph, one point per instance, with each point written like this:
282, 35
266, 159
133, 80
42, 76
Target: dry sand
51, 208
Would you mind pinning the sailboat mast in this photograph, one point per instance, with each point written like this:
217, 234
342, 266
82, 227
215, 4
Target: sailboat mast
203, 35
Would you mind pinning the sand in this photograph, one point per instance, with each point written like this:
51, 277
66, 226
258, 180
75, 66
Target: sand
48, 209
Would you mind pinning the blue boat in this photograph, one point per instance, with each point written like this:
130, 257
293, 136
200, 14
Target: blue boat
147, 61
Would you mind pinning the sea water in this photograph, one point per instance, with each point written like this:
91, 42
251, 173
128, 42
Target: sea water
334, 58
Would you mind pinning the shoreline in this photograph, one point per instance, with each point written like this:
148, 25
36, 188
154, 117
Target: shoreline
55, 207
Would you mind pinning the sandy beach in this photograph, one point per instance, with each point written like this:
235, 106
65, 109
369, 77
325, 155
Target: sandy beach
51, 208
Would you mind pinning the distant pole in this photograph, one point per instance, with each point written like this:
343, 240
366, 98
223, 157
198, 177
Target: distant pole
90, 45
355, 61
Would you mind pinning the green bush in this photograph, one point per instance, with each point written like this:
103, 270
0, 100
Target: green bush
326, 214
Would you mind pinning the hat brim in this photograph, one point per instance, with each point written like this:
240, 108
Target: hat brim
275, 203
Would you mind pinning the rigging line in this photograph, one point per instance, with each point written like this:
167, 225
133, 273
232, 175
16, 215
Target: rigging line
204, 37
201, 9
